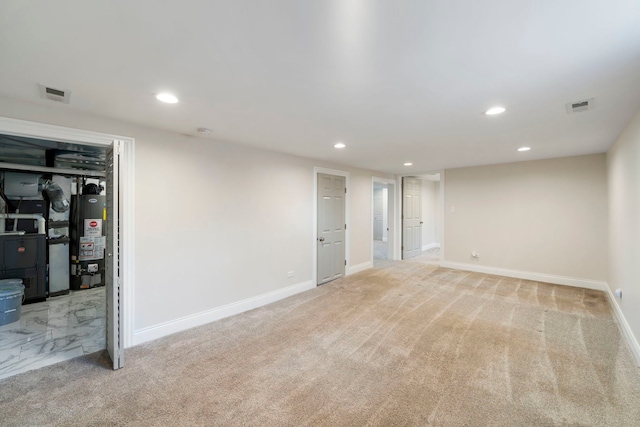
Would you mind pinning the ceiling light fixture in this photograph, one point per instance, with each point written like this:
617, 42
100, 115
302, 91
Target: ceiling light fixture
524, 148
408, 164
495, 110
167, 97
339, 145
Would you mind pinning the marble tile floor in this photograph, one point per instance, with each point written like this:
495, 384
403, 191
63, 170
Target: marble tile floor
49, 332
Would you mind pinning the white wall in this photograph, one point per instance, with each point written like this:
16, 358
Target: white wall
623, 161
547, 217
249, 219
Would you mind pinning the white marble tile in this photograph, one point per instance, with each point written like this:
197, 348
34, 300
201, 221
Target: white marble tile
35, 323
28, 364
30, 320
59, 311
34, 310
84, 315
52, 331
17, 338
93, 346
50, 346
9, 356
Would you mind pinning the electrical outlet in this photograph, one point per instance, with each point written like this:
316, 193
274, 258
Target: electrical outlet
290, 274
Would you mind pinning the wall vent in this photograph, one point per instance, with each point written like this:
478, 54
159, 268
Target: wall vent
580, 106
58, 95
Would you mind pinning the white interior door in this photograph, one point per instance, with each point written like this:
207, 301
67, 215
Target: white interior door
114, 324
331, 227
378, 213
411, 217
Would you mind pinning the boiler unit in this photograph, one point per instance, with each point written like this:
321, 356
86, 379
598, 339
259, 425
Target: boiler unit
87, 241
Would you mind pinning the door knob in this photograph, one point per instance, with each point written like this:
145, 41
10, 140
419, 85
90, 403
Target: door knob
321, 239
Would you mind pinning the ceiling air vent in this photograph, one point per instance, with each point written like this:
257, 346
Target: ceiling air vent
580, 106
53, 94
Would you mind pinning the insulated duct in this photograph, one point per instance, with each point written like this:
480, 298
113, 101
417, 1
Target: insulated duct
59, 202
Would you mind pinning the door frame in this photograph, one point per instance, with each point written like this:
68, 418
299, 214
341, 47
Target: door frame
392, 237
441, 201
37, 130
318, 170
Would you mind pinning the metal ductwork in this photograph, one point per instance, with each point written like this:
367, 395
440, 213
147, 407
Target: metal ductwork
59, 202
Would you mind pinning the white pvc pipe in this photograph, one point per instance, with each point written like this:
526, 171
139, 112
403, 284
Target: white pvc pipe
42, 227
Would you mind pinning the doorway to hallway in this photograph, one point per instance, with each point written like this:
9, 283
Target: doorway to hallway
423, 216
383, 226
380, 221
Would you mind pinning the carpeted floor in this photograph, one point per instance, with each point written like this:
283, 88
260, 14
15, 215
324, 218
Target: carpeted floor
405, 343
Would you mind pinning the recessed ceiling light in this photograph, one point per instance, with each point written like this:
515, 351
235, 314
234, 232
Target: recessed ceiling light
408, 164
339, 145
495, 110
167, 97
524, 148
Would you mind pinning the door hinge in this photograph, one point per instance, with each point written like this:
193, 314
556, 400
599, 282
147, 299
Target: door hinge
345, 190
345, 262
345, 226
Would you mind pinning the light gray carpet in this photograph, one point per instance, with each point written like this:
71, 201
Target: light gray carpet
405, 343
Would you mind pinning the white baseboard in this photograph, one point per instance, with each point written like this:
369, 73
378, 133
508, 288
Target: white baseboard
430, 246
527, 275
624, 325
359, 267
167, 328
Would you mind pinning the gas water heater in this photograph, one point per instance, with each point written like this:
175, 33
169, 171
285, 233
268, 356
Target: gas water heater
87, 241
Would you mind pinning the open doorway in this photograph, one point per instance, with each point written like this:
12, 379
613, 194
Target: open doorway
59, 265
383, 230
66, 315
380, 221
423, 217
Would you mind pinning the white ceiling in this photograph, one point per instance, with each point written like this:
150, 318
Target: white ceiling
397, 81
